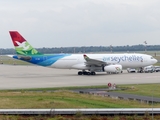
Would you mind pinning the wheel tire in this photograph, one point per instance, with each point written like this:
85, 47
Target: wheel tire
79, 73
85, 73
88, 73
93, 73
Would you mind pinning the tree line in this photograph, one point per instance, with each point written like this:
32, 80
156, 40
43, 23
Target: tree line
89, 49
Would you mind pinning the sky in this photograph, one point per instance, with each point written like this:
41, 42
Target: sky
76, 23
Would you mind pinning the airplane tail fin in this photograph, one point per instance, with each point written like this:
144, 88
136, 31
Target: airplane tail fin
22, 47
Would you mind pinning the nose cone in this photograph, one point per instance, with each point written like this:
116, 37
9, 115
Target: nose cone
155, 61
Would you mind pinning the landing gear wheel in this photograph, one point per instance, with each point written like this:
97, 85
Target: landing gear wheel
88, 73
80, 73
93, 73
85, 73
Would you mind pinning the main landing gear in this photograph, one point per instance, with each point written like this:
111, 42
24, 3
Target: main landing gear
86, 73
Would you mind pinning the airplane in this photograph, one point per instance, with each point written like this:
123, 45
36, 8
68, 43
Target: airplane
88, 64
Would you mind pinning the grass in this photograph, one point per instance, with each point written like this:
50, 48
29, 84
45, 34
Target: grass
65, 99
139, 89
142, 89
58, 88
62, 98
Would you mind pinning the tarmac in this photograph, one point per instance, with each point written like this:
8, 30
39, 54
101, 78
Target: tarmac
23, 77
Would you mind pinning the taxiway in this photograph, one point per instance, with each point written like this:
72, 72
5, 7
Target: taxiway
21, 77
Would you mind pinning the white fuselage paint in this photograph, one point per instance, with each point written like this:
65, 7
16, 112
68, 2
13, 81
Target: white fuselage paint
77, 61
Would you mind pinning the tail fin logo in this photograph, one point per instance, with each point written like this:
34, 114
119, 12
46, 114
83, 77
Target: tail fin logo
22, 47
25, 48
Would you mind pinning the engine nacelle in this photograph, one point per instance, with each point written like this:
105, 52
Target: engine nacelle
113, 68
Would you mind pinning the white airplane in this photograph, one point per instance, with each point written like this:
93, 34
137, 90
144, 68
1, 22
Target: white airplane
87, 64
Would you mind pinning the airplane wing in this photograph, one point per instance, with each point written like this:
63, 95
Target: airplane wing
95, 62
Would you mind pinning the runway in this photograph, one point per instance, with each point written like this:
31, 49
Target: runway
22, 77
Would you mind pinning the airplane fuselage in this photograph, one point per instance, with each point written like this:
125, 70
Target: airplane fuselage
77, 61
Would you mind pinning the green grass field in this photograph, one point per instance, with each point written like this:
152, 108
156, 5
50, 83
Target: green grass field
63, 99
66, 99
142, 89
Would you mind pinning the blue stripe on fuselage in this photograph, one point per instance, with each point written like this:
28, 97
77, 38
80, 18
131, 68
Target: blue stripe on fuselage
43, 60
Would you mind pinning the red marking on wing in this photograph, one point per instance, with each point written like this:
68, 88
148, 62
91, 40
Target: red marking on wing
16, 37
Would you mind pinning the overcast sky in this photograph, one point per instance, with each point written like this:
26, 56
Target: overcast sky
68, 23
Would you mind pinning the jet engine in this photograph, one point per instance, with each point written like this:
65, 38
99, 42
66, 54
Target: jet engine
113, 68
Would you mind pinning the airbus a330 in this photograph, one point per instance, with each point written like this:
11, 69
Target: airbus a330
87, 64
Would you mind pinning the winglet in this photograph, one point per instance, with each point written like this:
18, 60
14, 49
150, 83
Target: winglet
22, 47
86, 57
